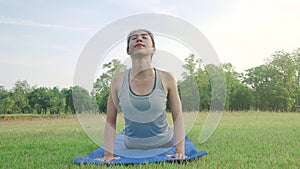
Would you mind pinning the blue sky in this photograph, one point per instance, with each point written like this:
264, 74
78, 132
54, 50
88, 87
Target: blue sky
41, 40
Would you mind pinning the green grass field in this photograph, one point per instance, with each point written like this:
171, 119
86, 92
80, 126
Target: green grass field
242, 140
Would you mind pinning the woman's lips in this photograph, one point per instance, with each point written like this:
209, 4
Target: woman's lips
139, 45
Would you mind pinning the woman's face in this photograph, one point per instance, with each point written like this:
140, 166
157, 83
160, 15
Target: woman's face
140, 42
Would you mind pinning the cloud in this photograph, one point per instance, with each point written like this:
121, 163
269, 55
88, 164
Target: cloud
17, 62
23, 22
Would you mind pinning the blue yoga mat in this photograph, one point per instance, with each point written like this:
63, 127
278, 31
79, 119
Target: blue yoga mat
138, 156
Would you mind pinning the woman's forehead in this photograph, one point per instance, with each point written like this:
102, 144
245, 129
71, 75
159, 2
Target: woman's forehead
139, 32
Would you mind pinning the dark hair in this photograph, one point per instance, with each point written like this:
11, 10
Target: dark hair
148, 32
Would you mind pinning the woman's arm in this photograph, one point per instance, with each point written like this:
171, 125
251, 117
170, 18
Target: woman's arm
110, 130
175, 105
110, 125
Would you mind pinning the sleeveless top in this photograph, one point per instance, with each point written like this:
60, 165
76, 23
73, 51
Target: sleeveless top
146, 126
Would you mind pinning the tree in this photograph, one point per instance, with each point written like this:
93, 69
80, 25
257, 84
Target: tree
188, 92
6, 103
218, 87
231, 81
56, 101
39, 100
204, 88
102, 84
189, 89
83, 102
196, 87
68, 99
274, 82
296, 57
19, 96
241, 97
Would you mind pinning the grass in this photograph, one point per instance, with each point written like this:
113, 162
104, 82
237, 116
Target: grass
32, 116
242, 140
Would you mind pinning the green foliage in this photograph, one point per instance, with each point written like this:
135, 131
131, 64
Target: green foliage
198, 82
82, 100
68, 101
23, 99
241, 97
276, 83
56, 101
6, 102
102, 85
273, 86
189, 87
19, 97
188, 91
39, 100
218, 87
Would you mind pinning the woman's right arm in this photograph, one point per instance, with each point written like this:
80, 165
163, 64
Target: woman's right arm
110, 130
110, 125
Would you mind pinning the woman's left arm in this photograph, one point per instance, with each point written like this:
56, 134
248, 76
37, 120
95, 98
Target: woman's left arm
175, 105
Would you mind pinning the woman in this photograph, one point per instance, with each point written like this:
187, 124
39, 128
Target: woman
142, 93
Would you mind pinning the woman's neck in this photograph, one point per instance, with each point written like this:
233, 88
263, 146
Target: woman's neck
141, 66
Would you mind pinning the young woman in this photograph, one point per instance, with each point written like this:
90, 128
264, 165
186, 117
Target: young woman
142, 93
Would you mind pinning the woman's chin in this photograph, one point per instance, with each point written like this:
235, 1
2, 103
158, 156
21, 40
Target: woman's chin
142, 52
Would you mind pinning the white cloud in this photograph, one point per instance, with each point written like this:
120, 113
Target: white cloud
23, 22
17, 62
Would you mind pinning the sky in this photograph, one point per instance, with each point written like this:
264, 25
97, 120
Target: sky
41, 40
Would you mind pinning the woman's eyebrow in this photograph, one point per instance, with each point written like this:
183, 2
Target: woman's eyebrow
143, 34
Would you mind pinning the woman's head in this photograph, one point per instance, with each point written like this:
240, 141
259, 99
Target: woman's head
139, 35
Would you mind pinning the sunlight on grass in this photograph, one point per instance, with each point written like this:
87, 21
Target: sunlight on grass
242, 140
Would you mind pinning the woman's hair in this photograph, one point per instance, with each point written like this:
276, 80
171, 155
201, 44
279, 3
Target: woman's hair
144, 30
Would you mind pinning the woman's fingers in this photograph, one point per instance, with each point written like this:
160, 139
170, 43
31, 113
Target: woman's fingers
170, 156
177, 155
108, 159
117, 158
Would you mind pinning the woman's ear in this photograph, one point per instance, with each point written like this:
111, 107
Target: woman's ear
128, 53
154, 49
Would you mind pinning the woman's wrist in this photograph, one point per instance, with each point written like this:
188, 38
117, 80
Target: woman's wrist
108, 153
180, 149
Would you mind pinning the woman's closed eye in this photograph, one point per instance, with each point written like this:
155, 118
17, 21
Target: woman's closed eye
144, 36
134, 38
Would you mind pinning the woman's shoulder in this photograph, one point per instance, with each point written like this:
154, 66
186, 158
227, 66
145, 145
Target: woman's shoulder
118, 78
118, 75
165, 75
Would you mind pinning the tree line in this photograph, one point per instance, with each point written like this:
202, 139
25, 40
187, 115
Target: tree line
272, 86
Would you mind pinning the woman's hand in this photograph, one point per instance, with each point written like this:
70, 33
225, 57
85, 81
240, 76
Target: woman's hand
108, 158
178, 156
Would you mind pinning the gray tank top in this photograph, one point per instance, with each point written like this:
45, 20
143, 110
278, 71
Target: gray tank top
146, 126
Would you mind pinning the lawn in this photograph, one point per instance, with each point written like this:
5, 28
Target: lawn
242, 140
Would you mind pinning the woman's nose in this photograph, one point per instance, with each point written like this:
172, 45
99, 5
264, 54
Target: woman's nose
139, 40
